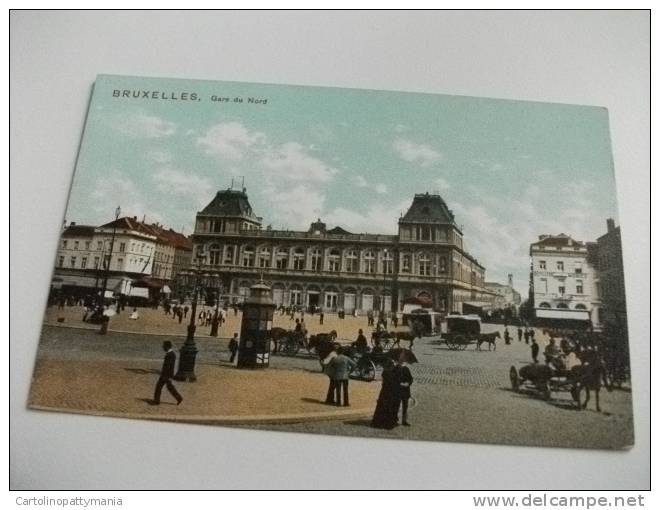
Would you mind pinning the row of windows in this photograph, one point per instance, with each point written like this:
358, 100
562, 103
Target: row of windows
561, 288
140, 263
559, 266
563, 306
351, 262
142, 247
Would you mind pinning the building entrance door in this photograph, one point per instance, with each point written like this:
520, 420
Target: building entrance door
367, 302
349, 303
331, 301
312, 299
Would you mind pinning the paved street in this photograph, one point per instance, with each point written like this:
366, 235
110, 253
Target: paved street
459, 395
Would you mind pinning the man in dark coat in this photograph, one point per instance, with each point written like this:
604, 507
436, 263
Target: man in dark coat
520, 334
233, 347
166, 374
405, 379
535, 351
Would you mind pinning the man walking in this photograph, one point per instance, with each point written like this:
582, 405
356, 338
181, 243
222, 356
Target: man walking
520, 334
233, 347
321, 318
185, 312
342, 366
166, 374
535, 351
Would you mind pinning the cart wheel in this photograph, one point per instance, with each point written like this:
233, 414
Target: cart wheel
515, 380
459, 341
546, 393
465, 344
368, 371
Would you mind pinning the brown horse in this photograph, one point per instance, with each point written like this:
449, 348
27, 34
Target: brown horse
589, 376
404, 335
275, 335
489, 338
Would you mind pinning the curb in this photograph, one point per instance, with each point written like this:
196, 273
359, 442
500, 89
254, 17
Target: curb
220, 420
125, 332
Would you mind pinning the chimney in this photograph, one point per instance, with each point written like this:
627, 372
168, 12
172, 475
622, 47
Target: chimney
610, 224
510, 280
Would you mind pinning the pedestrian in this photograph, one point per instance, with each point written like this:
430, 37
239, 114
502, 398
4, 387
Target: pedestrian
531, 333
360, 343
233, 347
329, 370
321, 318
209, 318
526, 335
298, 328
166, 375
185, 312
387, 406
404, 377
342, 366
201, 316
395, 320
180, 314
507, 336
520, 334
535, 351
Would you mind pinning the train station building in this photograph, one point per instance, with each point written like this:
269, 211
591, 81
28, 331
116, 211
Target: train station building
332, 268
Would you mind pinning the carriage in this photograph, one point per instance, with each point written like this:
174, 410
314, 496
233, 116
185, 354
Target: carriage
462, 330
542, 380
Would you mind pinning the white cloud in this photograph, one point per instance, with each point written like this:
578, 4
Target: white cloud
116, 189
413, 152
359, 181
176, 182
442, 184
229, 141
401, 128
291, 162
381, 188
141, 125
292, 207
160, 157
377, 218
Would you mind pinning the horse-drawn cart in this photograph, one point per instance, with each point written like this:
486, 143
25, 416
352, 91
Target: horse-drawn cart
462, 330
542, 380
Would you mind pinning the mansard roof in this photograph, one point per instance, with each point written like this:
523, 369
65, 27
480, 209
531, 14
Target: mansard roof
557, 241
230, 203
428, 208
74, 230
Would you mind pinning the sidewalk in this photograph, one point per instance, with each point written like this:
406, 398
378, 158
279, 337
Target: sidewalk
155, 322
221, 394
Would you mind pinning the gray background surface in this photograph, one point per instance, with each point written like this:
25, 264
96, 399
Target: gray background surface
595, 58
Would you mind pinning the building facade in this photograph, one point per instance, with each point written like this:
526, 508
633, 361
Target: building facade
564, 281
610, 268
139, 251
504, 296
332, 268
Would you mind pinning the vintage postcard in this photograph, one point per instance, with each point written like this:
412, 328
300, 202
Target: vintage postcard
340, 261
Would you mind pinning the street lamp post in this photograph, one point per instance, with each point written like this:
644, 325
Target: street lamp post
189, 350
112, 245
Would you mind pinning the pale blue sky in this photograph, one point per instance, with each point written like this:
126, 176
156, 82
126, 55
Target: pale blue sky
510, 170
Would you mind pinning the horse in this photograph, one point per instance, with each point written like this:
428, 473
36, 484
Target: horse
320, 340
588, 376
404, 335
276, 334
489, 338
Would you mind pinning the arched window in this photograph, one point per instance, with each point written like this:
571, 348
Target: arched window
388, 262
580, 306
299, 259
214, 254
424, 264
316, 259
248, 256
282, 258
544, 305
563, 306
334, 262
352, 261
296, 295
229, 255
264, 257
369, 262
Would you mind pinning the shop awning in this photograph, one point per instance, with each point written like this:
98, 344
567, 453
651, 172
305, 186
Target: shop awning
553, 313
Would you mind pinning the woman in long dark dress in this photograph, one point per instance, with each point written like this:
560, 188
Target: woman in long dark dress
387, 408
